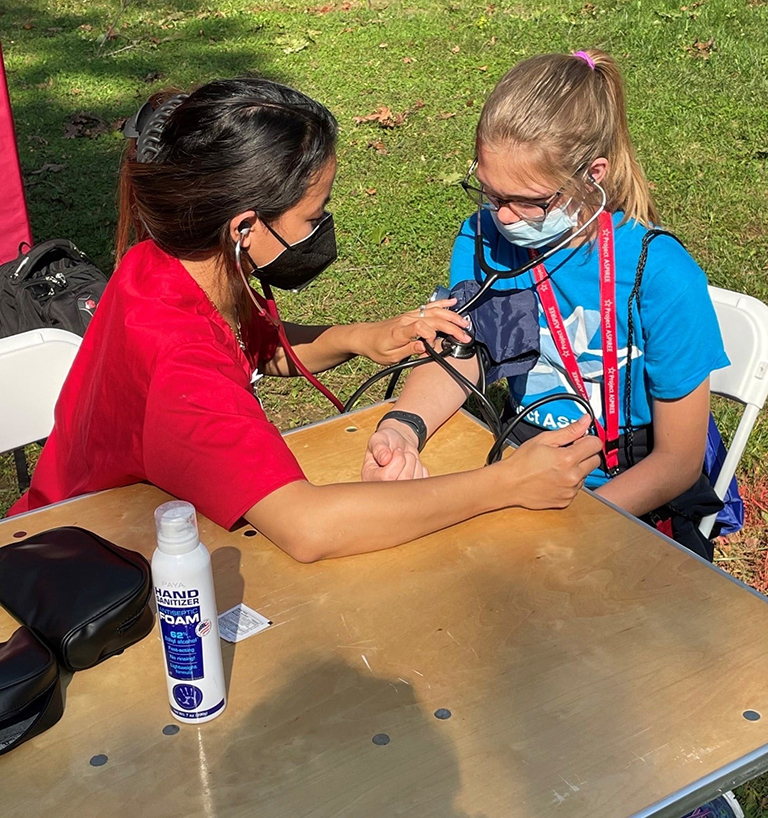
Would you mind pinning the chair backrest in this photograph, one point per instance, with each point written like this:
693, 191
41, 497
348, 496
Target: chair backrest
33, 366
744, 326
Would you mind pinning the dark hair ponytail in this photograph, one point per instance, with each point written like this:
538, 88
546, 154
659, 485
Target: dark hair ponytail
232, 145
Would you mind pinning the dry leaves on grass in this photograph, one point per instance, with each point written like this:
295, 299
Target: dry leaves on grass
383, 117
700, 49
745, 554
327, 8
85, 125
378, 146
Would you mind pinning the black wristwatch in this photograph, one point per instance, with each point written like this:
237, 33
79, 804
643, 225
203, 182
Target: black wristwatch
409, 419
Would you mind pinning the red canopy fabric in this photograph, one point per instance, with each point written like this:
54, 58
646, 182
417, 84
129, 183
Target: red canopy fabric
14, 221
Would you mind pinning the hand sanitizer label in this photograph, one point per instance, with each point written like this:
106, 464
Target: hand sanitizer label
182, 629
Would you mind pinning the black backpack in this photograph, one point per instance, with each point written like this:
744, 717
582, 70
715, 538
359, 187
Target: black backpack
52, 285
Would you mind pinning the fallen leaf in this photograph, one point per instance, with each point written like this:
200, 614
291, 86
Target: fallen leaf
27, 26
652, 185
293, 43
85, 125
702, 50
418, 105
383, 117
589, 8
383, 45
378, 146
469, 103
378, 235
408, 60
85, 27
75, 91
371, 191
48, 167
482, 68
446, 115
53, 30
455, 50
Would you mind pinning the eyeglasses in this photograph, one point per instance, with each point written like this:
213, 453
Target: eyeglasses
530, 210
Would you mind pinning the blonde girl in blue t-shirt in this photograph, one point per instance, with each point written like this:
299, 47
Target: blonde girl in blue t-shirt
553, 151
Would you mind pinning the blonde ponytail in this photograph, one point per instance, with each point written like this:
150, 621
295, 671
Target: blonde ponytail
570, 110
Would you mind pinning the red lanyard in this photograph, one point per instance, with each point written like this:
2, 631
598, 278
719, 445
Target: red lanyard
609, 435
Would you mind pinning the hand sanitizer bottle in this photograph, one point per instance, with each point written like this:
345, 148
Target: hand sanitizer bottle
186, 609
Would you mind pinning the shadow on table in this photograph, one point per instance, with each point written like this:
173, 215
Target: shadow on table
308, 749
230, 589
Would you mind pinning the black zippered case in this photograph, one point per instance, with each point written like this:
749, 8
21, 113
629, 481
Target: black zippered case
84, 597
30, 689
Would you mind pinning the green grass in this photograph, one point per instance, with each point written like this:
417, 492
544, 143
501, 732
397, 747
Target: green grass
700, 126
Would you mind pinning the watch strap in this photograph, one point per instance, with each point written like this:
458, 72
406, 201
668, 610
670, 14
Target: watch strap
416, 422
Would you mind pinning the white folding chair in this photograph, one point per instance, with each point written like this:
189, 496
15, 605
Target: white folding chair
33, 366
744, 326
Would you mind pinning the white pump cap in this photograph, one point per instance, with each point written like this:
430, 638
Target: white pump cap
176, 526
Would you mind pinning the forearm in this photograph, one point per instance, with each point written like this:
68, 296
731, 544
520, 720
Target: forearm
318, 348
433, 394
654, 481
318, 522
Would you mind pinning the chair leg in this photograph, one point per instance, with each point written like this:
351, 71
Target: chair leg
22, 469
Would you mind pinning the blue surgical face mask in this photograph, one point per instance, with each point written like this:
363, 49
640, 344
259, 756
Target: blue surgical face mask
546, 232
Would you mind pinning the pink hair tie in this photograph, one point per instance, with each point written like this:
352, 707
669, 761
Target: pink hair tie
582, 55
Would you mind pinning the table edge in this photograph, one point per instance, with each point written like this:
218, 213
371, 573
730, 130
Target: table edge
709, 786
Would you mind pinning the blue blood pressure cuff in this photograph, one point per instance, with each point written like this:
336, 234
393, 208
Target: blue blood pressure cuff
506, 323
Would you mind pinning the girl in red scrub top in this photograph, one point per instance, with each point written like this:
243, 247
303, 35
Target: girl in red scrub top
162, 389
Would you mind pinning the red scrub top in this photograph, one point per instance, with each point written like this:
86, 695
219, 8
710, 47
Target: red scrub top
160, 391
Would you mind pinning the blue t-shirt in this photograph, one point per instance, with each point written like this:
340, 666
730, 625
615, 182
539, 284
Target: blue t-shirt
676, 343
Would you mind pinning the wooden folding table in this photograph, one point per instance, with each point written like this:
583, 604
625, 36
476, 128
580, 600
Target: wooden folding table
520, 665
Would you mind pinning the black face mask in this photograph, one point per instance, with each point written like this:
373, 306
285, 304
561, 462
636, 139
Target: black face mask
301, 263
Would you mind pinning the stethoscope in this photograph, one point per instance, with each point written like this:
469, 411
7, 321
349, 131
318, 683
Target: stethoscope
457, 349
450, 346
